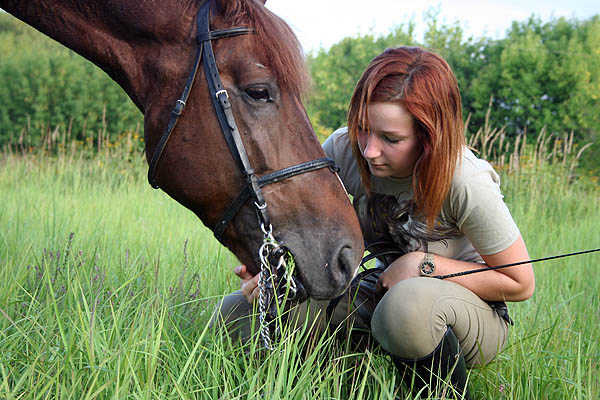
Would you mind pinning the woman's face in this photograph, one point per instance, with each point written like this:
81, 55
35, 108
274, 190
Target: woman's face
392, 148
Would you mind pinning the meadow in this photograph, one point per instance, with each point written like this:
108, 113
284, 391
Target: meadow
107, 287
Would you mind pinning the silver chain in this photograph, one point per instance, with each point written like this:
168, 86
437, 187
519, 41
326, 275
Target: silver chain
268, 283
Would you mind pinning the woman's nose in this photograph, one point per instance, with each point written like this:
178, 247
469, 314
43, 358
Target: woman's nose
372, 148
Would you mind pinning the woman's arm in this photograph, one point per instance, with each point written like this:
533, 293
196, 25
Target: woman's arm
508, 284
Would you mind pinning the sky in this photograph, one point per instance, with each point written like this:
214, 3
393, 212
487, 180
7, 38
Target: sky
321, 23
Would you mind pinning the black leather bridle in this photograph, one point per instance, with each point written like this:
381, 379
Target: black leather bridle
222, 106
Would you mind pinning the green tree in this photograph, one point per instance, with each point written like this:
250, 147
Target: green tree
44, 86
543, 75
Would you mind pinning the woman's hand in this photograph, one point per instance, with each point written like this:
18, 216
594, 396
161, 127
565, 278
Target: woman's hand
249, 283
405, 267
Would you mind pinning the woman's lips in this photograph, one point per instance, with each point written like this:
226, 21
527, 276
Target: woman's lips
376, 165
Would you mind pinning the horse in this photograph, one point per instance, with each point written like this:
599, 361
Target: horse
149, 49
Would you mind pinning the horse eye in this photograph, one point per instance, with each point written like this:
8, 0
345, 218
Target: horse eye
258, 93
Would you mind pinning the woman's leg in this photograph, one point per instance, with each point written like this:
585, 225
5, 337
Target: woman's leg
431, 327
412, 318
240, 318
350, 314
235, 315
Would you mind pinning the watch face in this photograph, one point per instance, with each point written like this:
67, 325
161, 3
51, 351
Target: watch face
427, 267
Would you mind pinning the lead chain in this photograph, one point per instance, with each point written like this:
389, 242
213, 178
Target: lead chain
264, 292
268, 283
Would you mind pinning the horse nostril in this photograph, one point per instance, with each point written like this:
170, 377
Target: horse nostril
346, 262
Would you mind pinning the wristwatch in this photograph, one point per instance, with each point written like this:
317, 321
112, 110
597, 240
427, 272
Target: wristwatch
427, 266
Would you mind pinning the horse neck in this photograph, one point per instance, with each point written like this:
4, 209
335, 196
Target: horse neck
120, 36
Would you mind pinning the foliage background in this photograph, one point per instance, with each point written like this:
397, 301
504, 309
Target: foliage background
542, 75
44, 87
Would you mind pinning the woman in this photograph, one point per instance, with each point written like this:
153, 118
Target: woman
414, 183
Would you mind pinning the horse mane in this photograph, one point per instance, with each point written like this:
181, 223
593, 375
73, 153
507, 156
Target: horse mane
274, 42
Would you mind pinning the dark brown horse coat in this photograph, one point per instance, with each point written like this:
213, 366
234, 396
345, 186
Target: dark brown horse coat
148, 47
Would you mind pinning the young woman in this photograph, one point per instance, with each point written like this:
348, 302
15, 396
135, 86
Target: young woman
418, 187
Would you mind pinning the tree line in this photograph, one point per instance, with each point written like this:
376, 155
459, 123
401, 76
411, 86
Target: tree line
44, 87
541, 75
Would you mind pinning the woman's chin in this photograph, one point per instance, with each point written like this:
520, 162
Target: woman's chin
379, 171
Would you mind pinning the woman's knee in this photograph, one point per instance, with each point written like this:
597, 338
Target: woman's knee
233, 314
405, 322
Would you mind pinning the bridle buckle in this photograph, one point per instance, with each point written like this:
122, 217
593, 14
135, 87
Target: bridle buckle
220, 92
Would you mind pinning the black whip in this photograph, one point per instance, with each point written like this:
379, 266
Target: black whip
513, 264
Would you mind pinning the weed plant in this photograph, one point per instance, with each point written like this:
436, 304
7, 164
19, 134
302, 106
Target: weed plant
107, 288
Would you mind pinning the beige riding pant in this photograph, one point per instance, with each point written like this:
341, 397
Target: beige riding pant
409, 321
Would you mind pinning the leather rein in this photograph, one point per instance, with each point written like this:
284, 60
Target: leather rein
271, 254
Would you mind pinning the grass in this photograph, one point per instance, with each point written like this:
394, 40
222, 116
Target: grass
107, 287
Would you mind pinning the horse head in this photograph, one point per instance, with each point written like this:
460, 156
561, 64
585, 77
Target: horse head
148, 48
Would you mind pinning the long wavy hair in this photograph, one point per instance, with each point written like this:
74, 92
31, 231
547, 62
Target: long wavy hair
425, 84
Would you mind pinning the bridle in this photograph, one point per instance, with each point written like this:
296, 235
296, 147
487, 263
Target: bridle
273, 256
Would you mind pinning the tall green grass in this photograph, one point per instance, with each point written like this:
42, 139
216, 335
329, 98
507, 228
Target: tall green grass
107, 287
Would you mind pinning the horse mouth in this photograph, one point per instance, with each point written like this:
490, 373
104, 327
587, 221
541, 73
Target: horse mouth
324, 268
287, 285
301, 293
320, 283
290, 271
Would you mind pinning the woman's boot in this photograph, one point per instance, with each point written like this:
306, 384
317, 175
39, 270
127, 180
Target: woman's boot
444, 363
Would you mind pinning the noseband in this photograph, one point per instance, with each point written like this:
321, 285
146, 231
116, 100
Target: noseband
271, 254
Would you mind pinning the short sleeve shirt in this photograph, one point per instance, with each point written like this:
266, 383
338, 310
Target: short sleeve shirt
474, 209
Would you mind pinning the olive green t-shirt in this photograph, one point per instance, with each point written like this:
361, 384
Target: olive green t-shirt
474, 211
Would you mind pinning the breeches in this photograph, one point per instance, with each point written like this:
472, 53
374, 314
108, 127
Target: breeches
409, 321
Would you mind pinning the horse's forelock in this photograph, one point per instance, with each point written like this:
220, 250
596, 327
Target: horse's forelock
275, 42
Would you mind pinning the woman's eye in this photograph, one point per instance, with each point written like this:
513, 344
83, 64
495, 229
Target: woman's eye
258, 93
391, 139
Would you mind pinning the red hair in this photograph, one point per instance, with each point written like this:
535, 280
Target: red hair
425, 84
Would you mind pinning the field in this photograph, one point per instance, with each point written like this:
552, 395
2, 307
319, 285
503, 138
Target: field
107, 286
